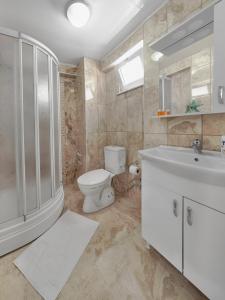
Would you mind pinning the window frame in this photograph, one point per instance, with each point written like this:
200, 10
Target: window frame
138, 83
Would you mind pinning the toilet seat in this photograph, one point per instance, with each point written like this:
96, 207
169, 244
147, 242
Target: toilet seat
94, 178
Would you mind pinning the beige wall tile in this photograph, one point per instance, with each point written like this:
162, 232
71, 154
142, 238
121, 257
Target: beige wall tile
102, 119
135, 138
134, 111
179, 140
155, 125
178, 10
207, 2
91, 110
102, 142
117, 115
117, 138
211, 143
214, 124
185, 125
92, 152
132, 155
156, 25
154, 140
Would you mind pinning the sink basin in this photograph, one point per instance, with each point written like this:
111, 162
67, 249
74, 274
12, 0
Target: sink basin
207, 167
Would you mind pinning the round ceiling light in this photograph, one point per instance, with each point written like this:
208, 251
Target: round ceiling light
78, 13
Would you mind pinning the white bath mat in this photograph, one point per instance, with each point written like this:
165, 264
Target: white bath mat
50, 260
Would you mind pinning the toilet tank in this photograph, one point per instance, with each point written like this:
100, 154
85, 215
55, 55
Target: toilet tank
115, 159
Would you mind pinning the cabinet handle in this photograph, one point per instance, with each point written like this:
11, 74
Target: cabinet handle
221, 94
175, 208
189, 216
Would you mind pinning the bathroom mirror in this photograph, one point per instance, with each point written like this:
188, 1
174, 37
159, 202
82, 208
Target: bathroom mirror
184, 59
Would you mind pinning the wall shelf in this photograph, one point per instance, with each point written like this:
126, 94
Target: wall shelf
184, 115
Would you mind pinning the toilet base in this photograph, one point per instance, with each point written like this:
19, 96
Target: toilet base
99, 200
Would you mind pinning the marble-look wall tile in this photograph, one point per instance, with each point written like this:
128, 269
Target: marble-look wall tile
180, 140
207, 2
102, 118
134, 110
214, 124
154, 140
96, 114
92, 151
155, 26
212, 143
102, 142
117, 138
185, 125
117, 115
178, 10
72, 119
92, 116
155, 125
135, 143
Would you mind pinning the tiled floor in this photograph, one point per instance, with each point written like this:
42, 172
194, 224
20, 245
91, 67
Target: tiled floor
115, 266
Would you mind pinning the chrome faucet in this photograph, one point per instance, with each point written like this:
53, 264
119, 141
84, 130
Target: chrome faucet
197, 146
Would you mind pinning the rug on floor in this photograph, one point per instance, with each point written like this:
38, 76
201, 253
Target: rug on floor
49, 261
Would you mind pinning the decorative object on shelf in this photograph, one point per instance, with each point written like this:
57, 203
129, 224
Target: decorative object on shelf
193, 107
161, 113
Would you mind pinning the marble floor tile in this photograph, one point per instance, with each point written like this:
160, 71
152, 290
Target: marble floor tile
116, 265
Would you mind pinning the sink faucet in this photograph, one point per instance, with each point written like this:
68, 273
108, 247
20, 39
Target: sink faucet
197, 146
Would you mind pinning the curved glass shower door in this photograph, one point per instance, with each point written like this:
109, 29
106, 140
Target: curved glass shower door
29, 128
11, 201
31, 191
43, 99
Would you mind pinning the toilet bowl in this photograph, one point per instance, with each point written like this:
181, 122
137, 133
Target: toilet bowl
96, 186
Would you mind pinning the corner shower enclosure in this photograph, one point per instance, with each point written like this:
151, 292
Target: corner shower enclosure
31, 192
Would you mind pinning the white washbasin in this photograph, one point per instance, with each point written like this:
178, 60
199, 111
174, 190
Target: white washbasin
207, 167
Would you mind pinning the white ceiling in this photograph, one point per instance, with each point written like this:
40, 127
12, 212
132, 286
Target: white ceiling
111, 21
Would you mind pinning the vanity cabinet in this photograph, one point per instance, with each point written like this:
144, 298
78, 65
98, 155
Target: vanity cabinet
204, 248
162, 221
219, 58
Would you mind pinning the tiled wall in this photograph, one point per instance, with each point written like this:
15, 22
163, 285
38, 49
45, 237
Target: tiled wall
124, 113
95, 114
72, 124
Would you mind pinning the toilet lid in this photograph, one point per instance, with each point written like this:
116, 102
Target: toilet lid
94, 177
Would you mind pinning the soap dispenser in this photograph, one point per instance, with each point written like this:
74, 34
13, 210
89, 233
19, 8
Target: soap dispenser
222, 146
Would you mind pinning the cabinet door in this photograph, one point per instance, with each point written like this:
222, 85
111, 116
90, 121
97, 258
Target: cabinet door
219, 58
162, 221
204, 249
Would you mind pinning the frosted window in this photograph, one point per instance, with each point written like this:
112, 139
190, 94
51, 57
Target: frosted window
44, 125
132, 71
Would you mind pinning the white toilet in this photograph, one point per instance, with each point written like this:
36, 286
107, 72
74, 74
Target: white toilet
96, 185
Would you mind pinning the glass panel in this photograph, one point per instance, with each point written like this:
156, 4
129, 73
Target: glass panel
29, 127
56, 124
9, 112
44, 125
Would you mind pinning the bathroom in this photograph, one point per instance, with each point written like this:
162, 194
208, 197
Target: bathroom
112, 141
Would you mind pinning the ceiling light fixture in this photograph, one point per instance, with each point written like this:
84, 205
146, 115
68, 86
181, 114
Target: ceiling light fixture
78, 13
